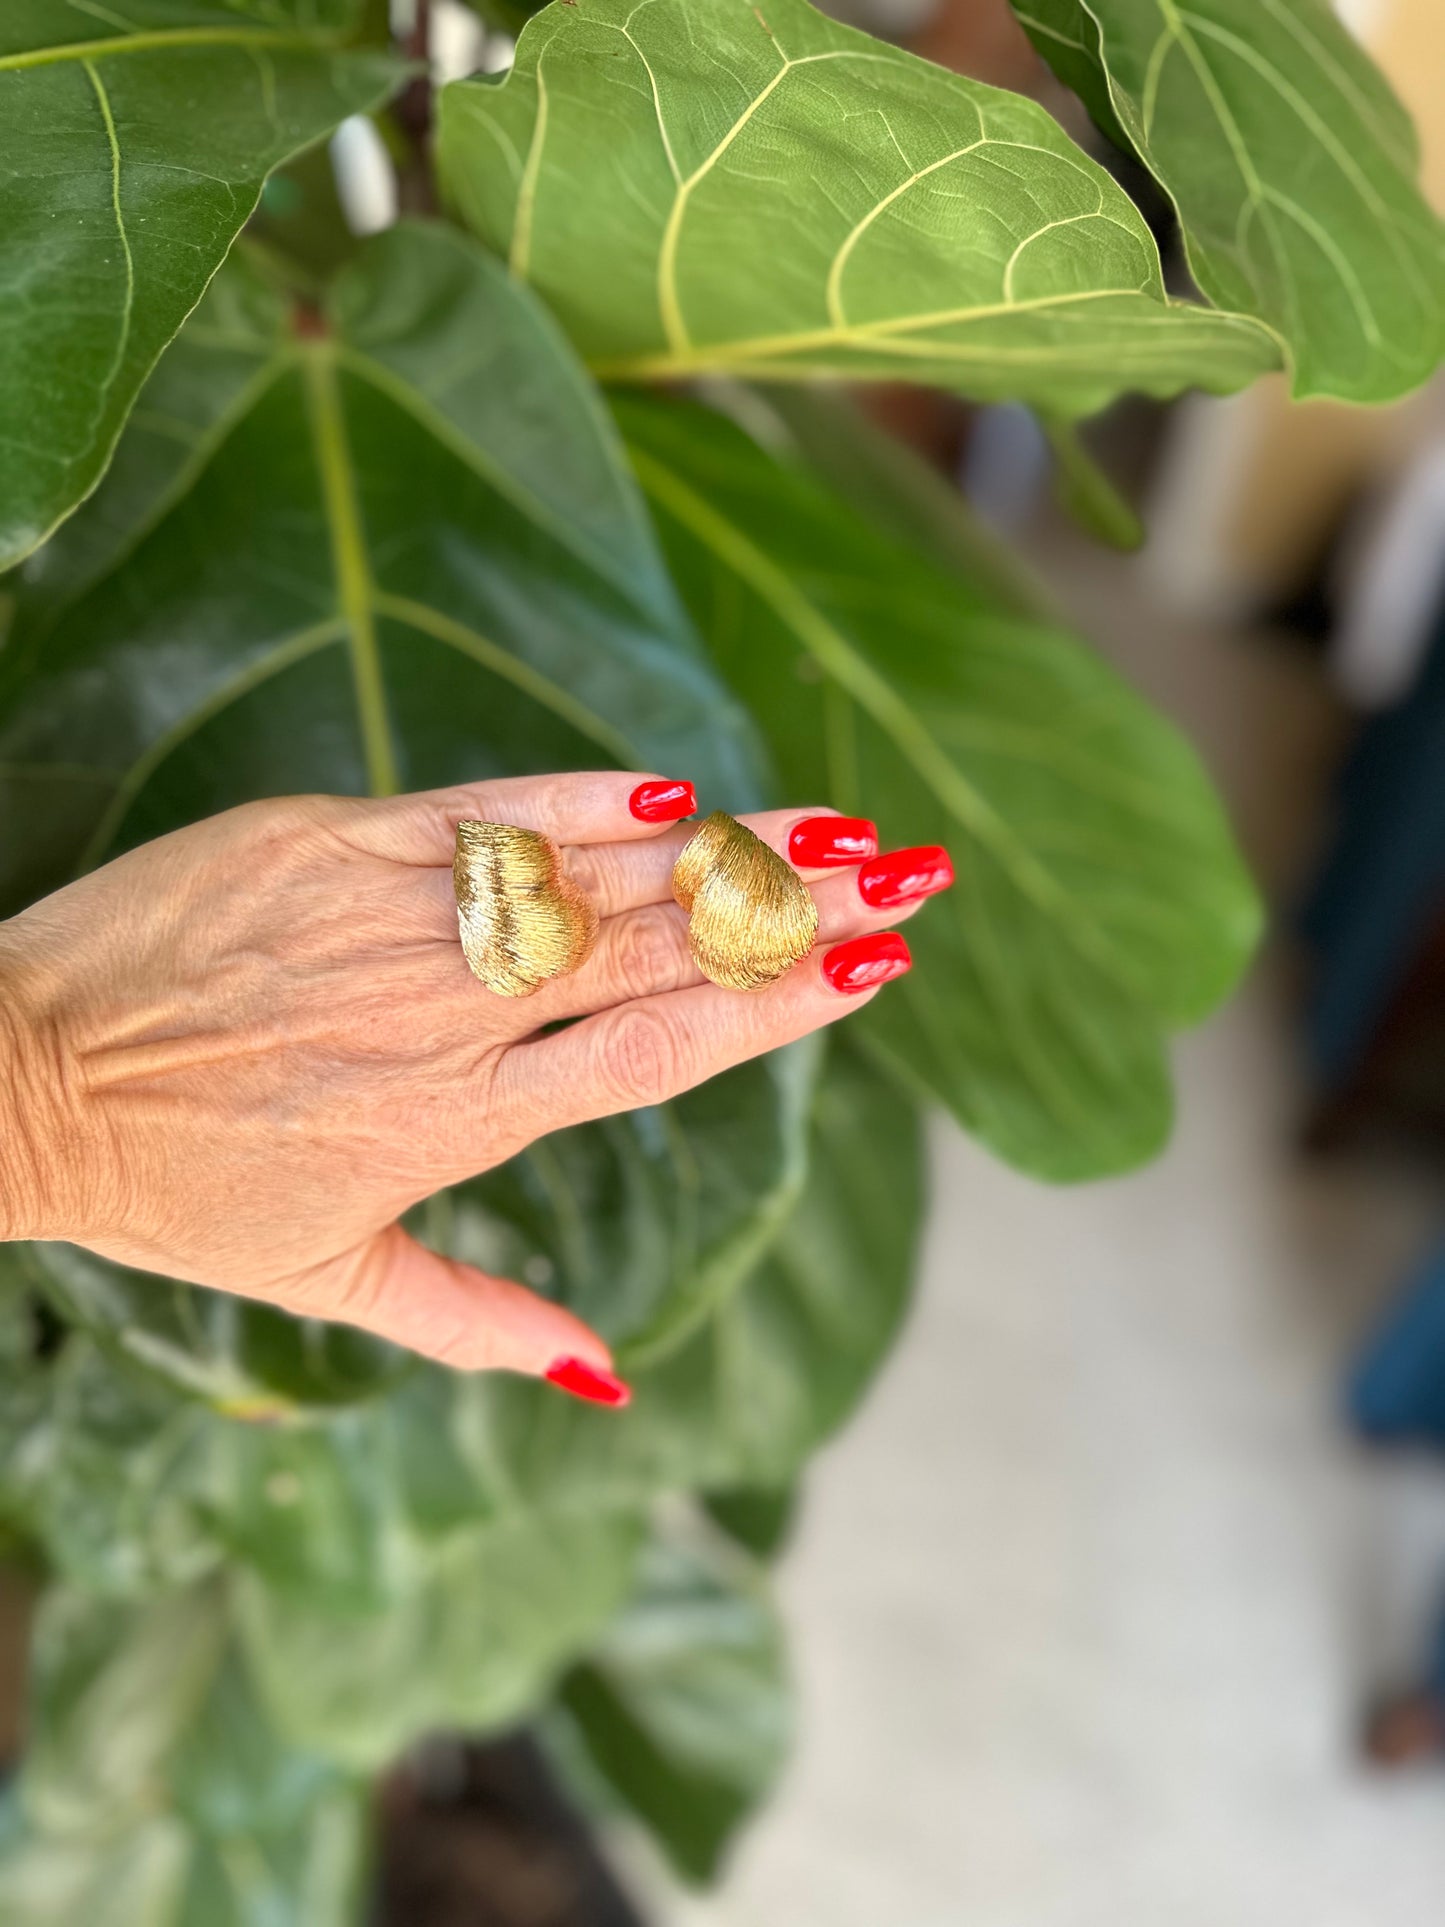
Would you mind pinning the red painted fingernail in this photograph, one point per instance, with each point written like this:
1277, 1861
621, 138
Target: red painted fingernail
662, 802
818, 842
866, 961
582, 1380
903, 876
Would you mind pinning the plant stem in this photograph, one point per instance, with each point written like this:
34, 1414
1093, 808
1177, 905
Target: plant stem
413, 113
353, 570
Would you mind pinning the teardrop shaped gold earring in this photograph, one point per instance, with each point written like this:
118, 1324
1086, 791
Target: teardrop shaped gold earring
523, 920
750, 915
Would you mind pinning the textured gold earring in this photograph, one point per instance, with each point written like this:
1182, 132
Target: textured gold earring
750, 916
523, 920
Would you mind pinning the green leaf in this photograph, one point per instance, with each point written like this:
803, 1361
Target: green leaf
134, 1880
113, 1694
683, 1705
761, 191
134, 142
153, 1794
301, 223
400, 553
106, 1472
1100, 901
1293, 166
779, 1364
823, 428
475, 1644
643, 1224
760, 1518
1066, 37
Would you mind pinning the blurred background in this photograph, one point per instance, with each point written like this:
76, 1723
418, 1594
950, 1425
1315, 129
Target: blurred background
1125, 1596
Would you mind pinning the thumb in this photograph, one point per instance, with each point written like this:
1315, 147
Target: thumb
396, 1289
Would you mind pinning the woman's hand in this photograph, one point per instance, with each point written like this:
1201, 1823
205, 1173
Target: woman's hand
238, 1054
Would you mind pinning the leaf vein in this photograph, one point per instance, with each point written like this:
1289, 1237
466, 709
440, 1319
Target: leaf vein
108, 380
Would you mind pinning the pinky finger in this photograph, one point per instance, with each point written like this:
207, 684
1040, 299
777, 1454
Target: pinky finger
657, 1047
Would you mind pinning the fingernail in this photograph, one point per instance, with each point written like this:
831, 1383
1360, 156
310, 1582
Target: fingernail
818, 842
582, 1380
866, 961
662, 802
903, 876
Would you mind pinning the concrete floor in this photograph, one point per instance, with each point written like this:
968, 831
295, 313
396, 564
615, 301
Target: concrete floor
1087, 1601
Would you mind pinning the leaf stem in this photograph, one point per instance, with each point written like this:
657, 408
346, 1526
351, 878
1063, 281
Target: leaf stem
353, 570
157, 41
412, 112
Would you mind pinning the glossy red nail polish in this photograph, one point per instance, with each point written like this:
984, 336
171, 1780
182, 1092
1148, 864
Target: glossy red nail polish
582, 1380
865, 961
903, 876
819, 842
662, 802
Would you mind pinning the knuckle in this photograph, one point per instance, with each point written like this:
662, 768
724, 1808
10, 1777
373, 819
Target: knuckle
593, 870
444, 812
437, 813
649, 954
644, 1058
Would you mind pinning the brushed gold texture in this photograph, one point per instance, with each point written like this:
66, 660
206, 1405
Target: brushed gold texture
523, 920
750, 915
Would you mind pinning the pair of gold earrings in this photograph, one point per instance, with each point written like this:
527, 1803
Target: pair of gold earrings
524, 921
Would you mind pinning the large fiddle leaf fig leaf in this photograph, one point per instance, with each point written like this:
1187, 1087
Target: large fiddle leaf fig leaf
475, 1644
889, 485
703, 187
1100, 901
387, 547
683, 1704
134, 142
154, 1792
1293, 166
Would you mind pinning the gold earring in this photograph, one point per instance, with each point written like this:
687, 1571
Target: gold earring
523, 920
750, 916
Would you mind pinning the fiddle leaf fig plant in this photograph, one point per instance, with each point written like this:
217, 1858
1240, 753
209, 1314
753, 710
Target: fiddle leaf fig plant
527, 486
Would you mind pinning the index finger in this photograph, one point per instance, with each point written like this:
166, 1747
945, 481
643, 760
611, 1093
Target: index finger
587, 806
